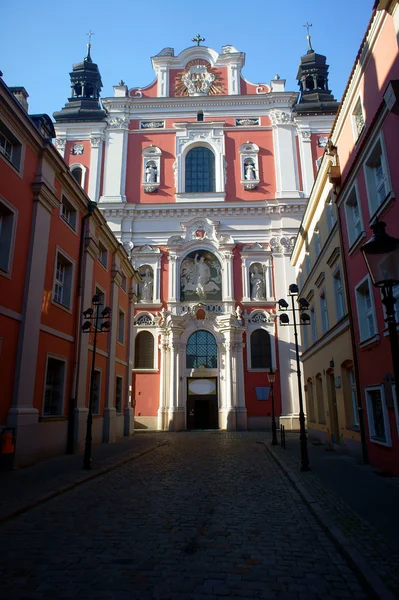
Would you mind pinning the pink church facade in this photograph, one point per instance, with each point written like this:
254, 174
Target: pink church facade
204, 178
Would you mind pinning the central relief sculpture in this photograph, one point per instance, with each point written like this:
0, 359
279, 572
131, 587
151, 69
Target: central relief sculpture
200, 277
198, 79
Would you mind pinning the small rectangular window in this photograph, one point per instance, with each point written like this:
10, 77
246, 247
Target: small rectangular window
121, 327
313, 325
358, 119
377, 416
377, 178
118, 394
324, 313
365, 310
353, 216
68, 213
10, 146
62, 292
124, 282
339, 295
103, 255
7, 226
330, 211
54, 391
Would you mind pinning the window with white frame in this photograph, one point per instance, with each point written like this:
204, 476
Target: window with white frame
316, 242
377, 413
313, 324
10, 146
118, 393
121, 326
124, 282
151, 168
377, 177
320, 399
103, 254
310, 401
261, 349
249, 165
339, 294
63, 280
354, 221
69, 213
324, 312
54, 389
77, 174
365, 310
305, 338
358, 119
396, 407
8, 220
144, 350
350, 397
96, 392
330, 214
395, 292
308, 264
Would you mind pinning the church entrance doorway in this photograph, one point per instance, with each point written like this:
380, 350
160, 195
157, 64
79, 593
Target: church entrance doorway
202, 403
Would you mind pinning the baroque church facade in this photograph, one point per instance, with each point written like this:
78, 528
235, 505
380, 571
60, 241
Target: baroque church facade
204, 177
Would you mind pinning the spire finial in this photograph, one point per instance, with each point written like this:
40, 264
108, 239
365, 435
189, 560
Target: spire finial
308, 25
198, 39
88, 57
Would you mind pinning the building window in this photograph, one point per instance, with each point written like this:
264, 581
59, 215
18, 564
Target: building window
103, 255
320, 400
63, 280
365, 310
10, 146
7, 228
54, 391
118, 393
144, 350
200, 115
96, 392
121, 327
353, 216
200, 170
324, 312
358, 119
317, 243
378, 415
77, 174
124, 282
249, 158
201, 351
339, 295
305, 338
310, 401
350, 398
261, 349
68, 213
330, 212
377, 179
308, 264
313, 324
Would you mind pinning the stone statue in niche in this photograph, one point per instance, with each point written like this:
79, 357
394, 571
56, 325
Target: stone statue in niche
200, 277
239, 314
257, 284
151, 173
250, 173
146, 285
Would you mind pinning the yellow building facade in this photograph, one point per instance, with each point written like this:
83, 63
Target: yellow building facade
327, 357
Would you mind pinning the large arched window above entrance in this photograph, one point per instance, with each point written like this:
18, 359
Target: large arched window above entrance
202, 351
261, 350
144, 350
200, 170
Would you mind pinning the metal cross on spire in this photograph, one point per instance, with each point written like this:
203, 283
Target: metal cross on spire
90, 34
198, 39
88, 57
308, 25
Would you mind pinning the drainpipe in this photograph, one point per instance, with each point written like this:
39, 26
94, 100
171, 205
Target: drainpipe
78, 329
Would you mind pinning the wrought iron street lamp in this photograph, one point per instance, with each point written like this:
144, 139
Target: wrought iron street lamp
271, 375
381, 254
91, 325
304, 319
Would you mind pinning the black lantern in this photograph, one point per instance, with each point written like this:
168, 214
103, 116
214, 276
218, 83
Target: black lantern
381, 254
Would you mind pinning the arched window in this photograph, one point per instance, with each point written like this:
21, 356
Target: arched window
261, 350
201, 351
77, 174
200, 170
144, 351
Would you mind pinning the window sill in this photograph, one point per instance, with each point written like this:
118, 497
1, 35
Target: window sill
17, 170
355, 428
355, 245
202, 196
61, 306
104, 266
383, 207
380, 441
145, 370
52, 418
369, 342
6, 274
74, 229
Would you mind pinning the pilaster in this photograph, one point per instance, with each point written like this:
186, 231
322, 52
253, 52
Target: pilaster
115, 160
287, 178
109, 433
305, 153
96, 154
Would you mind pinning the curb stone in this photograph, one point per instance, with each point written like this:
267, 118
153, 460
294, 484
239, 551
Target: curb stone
362, 567
76, 483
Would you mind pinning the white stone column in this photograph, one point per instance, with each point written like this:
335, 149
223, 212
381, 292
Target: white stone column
96, 154
129, 410
175, 412
115, 160
227, 275
163, 346
109, 423
287, 177
172, 291
228, 414
163, 82
305, 153
241, 409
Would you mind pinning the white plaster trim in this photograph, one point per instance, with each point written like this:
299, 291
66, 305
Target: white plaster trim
388, 439
7, 312
8, 272
57, 333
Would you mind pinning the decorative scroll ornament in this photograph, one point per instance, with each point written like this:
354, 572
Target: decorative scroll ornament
118, 122
199, 79
280, 118
276, 245
61, 143
77, 149
144, 320
152, 124
249, 122
95, 141
305, 134
322, 141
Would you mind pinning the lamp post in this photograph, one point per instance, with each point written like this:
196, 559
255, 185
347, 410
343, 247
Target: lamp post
304, 319
381, 254
91, 326
271, 375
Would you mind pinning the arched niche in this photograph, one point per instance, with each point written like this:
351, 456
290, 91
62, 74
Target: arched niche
200, 277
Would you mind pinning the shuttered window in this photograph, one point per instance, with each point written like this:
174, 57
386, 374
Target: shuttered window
144, 351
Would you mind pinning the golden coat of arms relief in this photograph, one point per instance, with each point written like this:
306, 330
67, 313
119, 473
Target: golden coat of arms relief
198, 79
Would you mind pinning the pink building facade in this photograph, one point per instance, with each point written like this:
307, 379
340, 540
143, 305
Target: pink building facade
204, 177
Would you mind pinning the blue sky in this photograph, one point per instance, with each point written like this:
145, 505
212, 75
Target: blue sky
47, 37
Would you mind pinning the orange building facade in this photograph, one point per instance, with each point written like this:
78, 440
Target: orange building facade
203, 177
56, 252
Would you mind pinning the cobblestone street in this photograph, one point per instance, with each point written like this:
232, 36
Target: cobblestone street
207, 515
